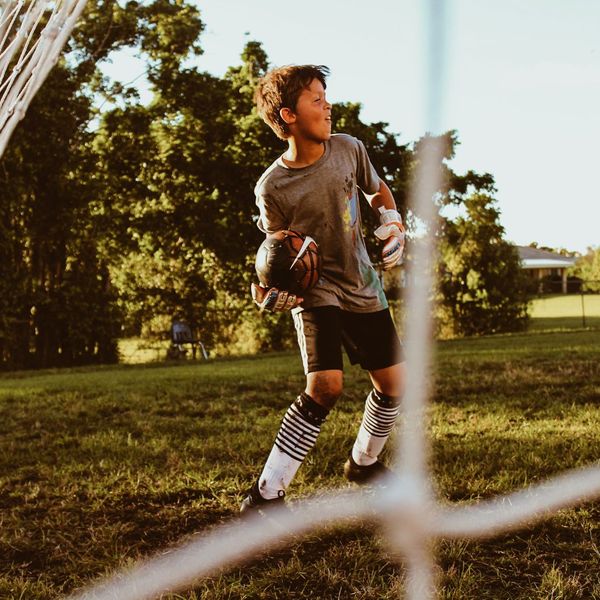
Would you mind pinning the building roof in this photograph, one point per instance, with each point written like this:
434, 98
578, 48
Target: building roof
534, 258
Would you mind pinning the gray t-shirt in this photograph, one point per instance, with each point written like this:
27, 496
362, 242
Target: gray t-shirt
322, 201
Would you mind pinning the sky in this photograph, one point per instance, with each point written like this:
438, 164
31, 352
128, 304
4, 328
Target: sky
521, 85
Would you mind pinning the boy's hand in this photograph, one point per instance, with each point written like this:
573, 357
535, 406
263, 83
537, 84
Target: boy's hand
391, 231
274, 300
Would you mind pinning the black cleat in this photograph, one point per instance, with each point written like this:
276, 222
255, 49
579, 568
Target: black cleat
375, 474
254, 503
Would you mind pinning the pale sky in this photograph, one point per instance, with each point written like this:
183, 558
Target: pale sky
522, 88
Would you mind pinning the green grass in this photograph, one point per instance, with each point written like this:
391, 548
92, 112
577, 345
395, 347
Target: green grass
102, 466
565, 311
134, 351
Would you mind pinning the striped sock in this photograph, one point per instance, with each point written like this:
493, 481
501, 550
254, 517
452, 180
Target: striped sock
378, 421
297, 435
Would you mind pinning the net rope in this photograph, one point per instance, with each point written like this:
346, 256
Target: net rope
32, 35
411, 515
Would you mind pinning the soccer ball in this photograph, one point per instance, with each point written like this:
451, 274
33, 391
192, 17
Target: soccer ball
289, 261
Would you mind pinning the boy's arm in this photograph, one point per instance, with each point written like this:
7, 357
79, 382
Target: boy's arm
391, 229
382, 198
271, 220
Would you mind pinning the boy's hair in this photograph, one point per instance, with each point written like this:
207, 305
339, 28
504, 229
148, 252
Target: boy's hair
280, 88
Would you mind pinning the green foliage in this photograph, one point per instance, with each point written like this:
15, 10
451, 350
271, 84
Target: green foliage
179, 205
123, 220
58, 305
482, 287
47, 230
587, 268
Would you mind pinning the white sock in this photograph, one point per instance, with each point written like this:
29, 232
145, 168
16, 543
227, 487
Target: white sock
297, 435
377, 423
277, 474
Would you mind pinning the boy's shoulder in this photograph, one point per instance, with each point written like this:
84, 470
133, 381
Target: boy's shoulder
269, 173
344, 144
343, 139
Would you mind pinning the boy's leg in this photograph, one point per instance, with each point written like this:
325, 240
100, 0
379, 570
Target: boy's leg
319, 339
381, 410
298, 432
371, 340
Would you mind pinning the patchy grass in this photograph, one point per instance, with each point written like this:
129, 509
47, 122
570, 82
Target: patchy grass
102, 466
136, 351
565, 311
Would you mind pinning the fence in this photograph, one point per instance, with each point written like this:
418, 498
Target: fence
579, 307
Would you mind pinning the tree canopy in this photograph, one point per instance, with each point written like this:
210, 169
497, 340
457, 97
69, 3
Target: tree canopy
587, 268
114, 220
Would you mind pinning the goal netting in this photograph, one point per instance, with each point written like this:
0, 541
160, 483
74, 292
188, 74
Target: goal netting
32, 35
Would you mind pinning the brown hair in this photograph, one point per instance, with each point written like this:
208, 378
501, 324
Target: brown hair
280, 88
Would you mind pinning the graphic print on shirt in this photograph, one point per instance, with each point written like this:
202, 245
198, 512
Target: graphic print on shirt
351, 209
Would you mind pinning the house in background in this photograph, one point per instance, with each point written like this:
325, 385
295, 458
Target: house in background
542, 263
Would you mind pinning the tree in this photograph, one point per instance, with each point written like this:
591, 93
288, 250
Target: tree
181, 174
181, 194
587, 268
144, 213
482, 287
58, 304
204, 147
45, 208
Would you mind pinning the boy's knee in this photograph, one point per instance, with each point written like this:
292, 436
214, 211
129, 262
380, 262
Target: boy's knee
391, 380
325, 389
328, 398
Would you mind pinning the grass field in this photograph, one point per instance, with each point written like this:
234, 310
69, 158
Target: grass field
99, 467
565, 311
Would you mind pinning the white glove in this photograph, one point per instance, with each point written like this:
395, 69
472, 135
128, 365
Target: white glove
391, 231
273, 300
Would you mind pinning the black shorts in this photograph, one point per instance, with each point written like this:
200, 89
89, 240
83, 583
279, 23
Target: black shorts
368, 338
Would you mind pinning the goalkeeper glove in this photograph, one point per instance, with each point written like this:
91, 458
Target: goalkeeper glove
391, 231
273, 300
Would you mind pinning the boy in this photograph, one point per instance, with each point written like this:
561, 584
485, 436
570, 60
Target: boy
313, 188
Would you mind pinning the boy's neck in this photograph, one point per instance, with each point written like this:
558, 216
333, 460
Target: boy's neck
302, 153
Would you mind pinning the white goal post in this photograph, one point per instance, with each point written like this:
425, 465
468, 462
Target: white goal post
32, 35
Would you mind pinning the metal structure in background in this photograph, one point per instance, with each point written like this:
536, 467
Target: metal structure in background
32, 35
587, 287
410, 514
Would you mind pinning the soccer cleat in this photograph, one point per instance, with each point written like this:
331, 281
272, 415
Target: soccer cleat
375, 474
254, 503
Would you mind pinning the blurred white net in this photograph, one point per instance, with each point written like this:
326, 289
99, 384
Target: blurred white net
32, 34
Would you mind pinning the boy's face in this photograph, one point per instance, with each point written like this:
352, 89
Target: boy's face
312, 118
